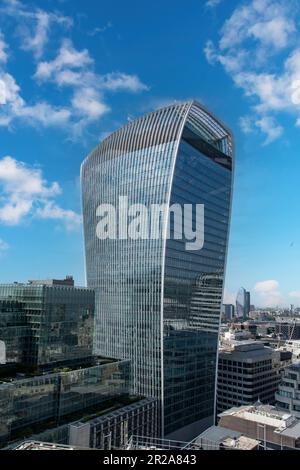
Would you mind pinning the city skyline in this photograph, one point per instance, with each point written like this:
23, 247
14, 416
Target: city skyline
67, 79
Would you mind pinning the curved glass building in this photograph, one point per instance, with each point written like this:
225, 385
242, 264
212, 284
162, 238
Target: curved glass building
158, 303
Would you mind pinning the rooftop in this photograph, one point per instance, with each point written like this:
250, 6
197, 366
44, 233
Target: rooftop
265, 414
36, 445
13, 372
225, 438
68, 281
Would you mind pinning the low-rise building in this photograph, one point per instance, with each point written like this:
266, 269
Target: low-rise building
275, 429
31, 403
218, 438
288, 394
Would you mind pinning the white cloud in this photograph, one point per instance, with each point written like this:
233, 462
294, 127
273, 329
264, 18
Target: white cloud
269, 293
70, 67
255, 33
266, 286
268, 125
87, 102
73, 68
99, 30
212, 3
3, 246
3, 49
295, 294
229, 297
13, 106
25, 193
33, 24
50, 210
67, 58
246, 124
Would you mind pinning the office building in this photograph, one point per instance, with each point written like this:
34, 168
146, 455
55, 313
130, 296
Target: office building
243, 303
275, 429
158, 303
46, 322
31, 403
14, 332
248, 371
110, 426
113, 429
227, 312
288, 394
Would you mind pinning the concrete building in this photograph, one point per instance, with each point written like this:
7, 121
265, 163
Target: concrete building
247, 371
218, 438
275, 429
37, 445
288, 394
68, 281
227, 312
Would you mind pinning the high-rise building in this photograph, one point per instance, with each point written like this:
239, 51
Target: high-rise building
247, 371
228, 311
242, 303
157, 302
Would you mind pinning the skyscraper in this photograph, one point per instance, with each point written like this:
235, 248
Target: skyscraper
157, 302
242, 303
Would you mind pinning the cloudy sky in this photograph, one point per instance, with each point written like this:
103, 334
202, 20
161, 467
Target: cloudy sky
72, 71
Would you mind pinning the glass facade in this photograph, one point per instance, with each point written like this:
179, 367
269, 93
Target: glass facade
50, 323
157, 303
14, 331
46, 400
242, 303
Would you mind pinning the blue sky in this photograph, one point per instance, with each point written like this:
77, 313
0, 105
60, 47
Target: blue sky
72, 71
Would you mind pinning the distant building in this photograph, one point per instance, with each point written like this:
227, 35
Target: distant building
42, 323
275, 429
68, 281
288, 395
247, 371
243, 303
289, 329
227, 312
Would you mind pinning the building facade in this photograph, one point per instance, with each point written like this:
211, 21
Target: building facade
274, 429
157, 303
227, 312
243, 303
288, 394
42, 324
35, 402
247, 372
